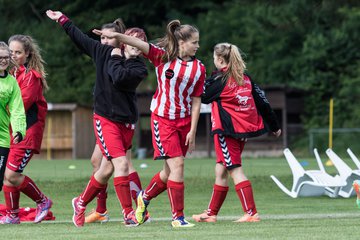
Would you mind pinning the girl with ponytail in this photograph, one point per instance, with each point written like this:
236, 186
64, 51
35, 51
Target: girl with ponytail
239, 110
175, 111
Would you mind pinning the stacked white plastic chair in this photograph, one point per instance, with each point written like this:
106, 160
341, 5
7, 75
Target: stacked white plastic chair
346, 173
307, 183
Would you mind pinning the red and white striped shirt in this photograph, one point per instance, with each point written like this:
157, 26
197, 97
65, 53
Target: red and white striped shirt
178, 81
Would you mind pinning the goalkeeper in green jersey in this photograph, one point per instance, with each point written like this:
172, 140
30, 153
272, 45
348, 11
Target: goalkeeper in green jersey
11, 109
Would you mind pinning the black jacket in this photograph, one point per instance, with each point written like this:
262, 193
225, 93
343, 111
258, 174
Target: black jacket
116, 77
213, 89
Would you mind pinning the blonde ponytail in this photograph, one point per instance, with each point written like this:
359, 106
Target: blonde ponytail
232, 57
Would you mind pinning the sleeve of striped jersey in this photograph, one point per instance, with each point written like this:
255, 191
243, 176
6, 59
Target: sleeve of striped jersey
199, 86
155, 54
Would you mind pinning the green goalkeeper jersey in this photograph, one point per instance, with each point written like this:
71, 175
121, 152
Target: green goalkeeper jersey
11, 109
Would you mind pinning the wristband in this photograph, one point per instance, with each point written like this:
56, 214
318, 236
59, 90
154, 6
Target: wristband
62, 20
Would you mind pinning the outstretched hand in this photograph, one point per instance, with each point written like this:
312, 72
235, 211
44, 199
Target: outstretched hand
106, 33
54, 15
97, 32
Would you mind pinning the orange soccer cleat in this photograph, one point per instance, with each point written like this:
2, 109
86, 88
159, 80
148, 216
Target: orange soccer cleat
94, 217
204, 217
248, 218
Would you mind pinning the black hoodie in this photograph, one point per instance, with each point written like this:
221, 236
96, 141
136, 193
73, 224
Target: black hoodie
116, 77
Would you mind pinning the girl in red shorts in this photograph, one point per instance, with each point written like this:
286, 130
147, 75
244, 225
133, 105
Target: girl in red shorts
100, 214
30, 75
175, 111
239, 110
118, 73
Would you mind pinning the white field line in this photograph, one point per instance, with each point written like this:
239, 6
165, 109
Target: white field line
263, 217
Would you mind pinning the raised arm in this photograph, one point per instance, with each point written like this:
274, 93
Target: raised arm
129, 40
86, 44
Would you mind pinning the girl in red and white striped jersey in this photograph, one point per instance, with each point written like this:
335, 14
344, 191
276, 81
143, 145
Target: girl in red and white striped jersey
239, 110
175, 111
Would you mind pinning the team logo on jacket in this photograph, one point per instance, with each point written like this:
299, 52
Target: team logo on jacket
243, 102
169, 73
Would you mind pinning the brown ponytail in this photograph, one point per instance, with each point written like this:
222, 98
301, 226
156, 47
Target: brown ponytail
118, 25
175, 32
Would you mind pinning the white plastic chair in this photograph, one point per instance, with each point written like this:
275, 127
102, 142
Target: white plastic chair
354, 158
330, 191
309, 183
346, 174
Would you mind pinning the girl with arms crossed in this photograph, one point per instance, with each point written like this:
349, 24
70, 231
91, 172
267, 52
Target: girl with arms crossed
118, 73
239, 109
100, 214
31, 78
175, 111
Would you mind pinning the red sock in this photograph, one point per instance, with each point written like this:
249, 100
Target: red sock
92, 189
29, 188
217, 199
245, 193
135, 185
101, 200
122, 188
176, 197
12, 197
156, 186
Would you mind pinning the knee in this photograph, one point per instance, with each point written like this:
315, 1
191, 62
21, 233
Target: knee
95, 162
164, 175
108, 171
104, 173
178, 170
12, 179
179, 165
221, 181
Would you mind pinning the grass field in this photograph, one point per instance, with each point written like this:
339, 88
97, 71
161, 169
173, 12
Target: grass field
282, 217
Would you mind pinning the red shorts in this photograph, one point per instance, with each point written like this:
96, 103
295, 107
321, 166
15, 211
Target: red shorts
18, 159
228, 150
113, 138
169, 136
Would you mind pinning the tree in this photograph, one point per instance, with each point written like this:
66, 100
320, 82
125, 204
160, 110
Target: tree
312, 45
